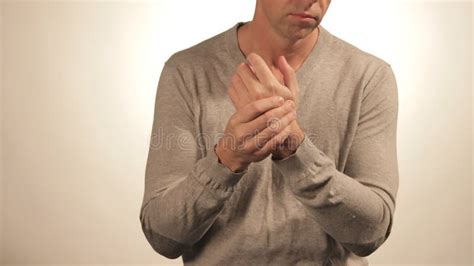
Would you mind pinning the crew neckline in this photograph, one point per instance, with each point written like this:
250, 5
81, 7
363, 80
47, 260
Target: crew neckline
313, 59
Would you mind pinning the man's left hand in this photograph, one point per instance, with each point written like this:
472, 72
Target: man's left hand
255, 80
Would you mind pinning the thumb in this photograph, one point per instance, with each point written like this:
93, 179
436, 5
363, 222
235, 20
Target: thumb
289, 75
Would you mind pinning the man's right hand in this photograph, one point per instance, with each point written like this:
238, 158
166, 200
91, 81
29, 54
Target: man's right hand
254, 131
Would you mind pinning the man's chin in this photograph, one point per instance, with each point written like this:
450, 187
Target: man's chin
297, 33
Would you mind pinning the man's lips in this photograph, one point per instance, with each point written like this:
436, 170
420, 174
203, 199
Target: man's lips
303, 15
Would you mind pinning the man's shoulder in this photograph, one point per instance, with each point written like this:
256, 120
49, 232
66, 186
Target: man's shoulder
350, 62
352, 56
205, 51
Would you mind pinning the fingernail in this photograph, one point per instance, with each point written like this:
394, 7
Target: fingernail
280, 99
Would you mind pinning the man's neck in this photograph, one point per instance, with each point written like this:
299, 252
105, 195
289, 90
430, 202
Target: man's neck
269, 45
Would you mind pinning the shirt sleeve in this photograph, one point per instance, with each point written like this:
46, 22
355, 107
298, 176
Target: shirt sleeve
355, 206
184, 193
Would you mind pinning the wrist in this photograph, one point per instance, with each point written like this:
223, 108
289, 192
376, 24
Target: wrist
232, 164
291, 144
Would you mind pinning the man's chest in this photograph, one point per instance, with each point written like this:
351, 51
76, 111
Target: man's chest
327, 112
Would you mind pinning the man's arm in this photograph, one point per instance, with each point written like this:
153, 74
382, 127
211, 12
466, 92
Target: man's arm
183, 194
356, 206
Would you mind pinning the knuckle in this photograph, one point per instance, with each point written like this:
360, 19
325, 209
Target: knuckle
279, 112
245, 145
291, 118
238, 134
276, 101
273, 85
259, 94
289, 95
257, 107
290, 105
267, 117
266, 135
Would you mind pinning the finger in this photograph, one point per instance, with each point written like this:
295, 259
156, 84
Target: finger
275, 142
289, 75
282, 90
272, 116
241, 89
278, 75
262, 71
251, 82
254, 109
259, 140
233, 95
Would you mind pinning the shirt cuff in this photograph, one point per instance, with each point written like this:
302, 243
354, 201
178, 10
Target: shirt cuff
307, 159
217, 177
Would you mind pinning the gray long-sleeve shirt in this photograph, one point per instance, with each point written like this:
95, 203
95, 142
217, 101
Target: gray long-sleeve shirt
333, 200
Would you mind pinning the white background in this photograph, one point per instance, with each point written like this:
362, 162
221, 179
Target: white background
77, 98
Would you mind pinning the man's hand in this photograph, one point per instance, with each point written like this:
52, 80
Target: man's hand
253, 131
256, 80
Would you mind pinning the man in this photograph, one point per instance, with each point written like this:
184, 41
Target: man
273, 143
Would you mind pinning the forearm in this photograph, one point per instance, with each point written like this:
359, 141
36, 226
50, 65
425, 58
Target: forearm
163, 245
347, 210
185, 210
353, 213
